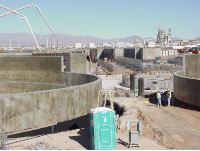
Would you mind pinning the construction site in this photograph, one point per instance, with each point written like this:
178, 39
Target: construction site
99, 98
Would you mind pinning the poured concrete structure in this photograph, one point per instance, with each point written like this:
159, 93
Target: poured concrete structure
187, 82
39, 93
74, 62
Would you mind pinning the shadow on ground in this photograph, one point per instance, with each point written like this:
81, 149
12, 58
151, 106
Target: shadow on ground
83, 138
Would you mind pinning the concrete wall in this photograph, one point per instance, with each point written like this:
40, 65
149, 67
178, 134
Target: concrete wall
78, 62
74, 62
129, 53
24, 87
99, 52
148, 54
157, 53
186, 89
192, 65
36, 109
43, 69
148, 79
118, 52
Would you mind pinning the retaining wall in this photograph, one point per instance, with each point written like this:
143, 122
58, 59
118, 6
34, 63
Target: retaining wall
186, 89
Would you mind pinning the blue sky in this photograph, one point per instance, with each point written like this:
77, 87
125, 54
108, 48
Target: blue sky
106, 18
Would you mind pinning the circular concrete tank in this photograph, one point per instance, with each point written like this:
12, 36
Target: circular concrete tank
25, 105
186, 89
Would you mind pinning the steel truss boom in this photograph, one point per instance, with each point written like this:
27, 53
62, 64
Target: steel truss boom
22, 16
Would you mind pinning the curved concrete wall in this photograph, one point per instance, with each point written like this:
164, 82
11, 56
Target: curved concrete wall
24, 87
186, 89
40, 108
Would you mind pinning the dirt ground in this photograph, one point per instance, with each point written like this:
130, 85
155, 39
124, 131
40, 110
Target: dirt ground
162, 128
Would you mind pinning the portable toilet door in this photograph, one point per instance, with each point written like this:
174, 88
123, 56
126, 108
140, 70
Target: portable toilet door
102, 129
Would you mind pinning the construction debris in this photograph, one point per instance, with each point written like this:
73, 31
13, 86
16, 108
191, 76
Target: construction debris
41, 145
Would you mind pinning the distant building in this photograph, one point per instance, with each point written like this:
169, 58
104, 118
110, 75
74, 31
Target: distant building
164, 40
91, 45
77, 45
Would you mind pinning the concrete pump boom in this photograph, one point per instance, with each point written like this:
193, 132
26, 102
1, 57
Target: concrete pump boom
32, 5
22, 16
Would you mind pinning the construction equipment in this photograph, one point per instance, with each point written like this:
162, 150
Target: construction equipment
134, 135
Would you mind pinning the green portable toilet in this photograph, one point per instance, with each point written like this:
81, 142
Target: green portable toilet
102, 129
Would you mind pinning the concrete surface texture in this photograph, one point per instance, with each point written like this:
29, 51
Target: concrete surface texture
157, 52
36, 109
31, 69
73, 96
186, 89
148, 79
187, 82
24, 87
74, 62
148, 54
78, 62
118, 52
192, 63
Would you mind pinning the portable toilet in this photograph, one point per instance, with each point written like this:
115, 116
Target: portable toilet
102, 129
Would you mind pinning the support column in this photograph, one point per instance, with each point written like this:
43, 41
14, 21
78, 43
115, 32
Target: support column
141, 87
132, 82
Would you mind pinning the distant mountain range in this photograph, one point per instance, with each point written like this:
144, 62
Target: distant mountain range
25, 39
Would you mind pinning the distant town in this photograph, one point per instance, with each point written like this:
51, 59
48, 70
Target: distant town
83, 42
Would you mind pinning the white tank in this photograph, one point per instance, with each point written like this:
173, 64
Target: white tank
91, 45
78, 45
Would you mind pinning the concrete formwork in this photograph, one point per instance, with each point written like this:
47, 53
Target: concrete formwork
40, 104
